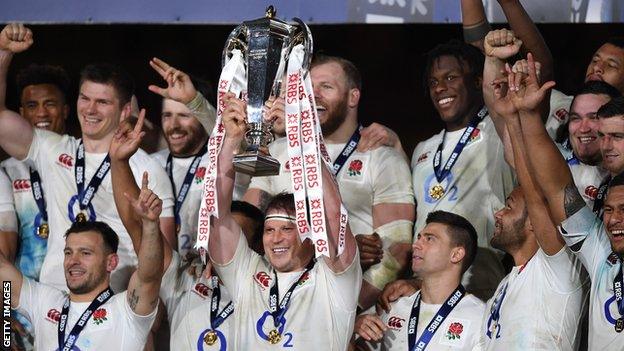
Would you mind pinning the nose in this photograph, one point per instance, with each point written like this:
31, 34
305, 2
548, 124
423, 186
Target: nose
91, 107
41, 111
606, 143
585, 125
440, 86
616, 217
598, 67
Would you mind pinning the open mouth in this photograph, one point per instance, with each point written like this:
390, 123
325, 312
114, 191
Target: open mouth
43, 124
445, 101
586, 139
92, 120
279, 250
76, 273
617, 234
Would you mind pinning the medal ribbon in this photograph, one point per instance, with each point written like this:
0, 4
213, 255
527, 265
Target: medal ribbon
68, 344
441, 174
435, 322
233, 79
495, 310
86, 195
186, 184
600, 197
618, 283
278, 311
37, 191
217, 319
347, 151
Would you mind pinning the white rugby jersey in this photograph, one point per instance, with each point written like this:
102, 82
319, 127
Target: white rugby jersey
113, 326
585, 229
559, 109
190, 207
542, 305
475, 188
8, 219
459, 331
322, 307
187, 300
54, 155
587, 178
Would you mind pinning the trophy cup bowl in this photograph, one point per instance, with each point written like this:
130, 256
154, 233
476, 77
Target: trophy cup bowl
266, 44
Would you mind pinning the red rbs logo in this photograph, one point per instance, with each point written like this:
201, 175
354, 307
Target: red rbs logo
66, 160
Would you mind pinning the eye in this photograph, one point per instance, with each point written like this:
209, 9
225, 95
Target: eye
433, 83
451, 77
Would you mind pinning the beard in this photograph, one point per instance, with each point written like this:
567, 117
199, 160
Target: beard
336, 115
89, 284
509, 238
195, 141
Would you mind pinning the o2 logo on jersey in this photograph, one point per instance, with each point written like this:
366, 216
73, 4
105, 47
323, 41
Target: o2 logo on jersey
395, 322
607, 310
287, 338
449, 194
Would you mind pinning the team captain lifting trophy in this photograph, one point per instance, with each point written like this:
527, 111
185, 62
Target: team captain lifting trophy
266, 44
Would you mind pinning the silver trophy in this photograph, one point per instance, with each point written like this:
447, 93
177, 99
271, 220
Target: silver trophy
266, 44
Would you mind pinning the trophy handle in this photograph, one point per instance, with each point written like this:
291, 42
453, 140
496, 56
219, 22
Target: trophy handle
308, 44
234, 42
304, 36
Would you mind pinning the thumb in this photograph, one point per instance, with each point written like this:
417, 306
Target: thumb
547, 86
158, 90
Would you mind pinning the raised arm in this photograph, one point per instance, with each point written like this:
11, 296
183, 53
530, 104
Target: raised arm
16, 133
180, 88
125, 143
225, 233
543, 227
544, 159
333, 202
474, 22
144, 284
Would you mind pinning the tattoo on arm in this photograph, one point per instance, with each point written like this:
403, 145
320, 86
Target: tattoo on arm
133, 300
572, 200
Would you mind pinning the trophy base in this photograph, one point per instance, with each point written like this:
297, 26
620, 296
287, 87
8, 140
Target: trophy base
256, 164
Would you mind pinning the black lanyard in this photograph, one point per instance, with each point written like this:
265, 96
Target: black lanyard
441, 174
37, 191
278, 311
495, 313
446, 308
348, 149
188, 179
217, 319
68, 344
86, 195
618, 283
600, 197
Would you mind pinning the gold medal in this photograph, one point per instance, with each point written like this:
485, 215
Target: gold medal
274, 336
178, 228
436, 192
81, 218
210, 338
619, 325
43, 230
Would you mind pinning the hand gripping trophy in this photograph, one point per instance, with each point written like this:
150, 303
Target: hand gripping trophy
266, 44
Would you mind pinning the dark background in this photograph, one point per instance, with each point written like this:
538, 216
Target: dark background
390, 57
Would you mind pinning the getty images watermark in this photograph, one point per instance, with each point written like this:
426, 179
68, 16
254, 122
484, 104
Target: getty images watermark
6, 315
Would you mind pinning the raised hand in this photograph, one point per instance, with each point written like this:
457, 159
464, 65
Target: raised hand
275, 113
377, 135
15, 38
127, 138
501, 43
179, 85
526, 92
371, 249
148, 205
234, 117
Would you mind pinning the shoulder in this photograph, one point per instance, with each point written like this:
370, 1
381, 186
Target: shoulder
161, 156
143, 161
426, 148
472, 302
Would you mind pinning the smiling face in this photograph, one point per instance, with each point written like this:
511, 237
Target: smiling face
454, 92
332, 95
613, 218
87, 264
99, 110
607, 65
282, 245
509, 232
583, 127
185, 135
611, 135
44, 107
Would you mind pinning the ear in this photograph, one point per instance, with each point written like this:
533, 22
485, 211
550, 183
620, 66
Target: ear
111, 262
354, 97
457, 254
125, 111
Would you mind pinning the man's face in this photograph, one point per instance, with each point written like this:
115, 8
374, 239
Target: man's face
86, 263
611, 135
282, 245
99, 110
432, 250
613, 218
607, 65
185, 135
331, 94
510, 223
583, 127
453, 92
43, 105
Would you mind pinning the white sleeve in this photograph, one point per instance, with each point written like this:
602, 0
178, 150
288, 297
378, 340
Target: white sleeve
392, 181
8, 217
563, 270
345, 285
237, 271
136, 326
262, 183
33, 296
174, 283
43, 142
584, 233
